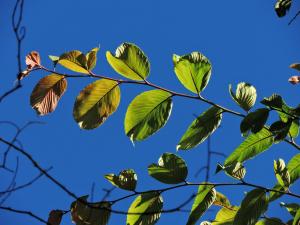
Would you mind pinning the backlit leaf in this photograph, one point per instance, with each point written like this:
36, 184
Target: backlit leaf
129, 61
282, 173
193, 71
95, 103
201, 128
84, 213
225, 216
293, 167
253, 145
47, 93
253, 205
126, 179
204, 199
222, 200
296, 220
33, 60
75, 61
245, 95
91, 58
145, 209
295, 66
147, 113
171, 169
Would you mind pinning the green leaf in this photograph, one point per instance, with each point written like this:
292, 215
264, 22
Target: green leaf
295, 66
147, 113
253, 145
293, 167
193, 71
126, 179
296, 220
275, 101
83, 213
205, 223
270, 221
171, 169
129, 61
254, 121
292, 208
222, 200
294, 129
145, 209
245, 95
201, 128
91, 58
47, 92
282, 6
225, 216
282, 173
236, 170
75, 61
204, 199
95, 103
253, 205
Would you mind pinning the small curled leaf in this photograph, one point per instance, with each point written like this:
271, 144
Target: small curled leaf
126, 179
33, 60
295, 66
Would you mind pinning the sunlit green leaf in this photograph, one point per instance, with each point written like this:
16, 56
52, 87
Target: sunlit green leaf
225, 216
193, 71
47, 92
84, 213
54, 59
253, 205
147, 113
282, 173
292, 208
254, 121
171, 169
270, 221
253, 145
293, 167
282, 6
201, 128
145, 209
129, 61
91, 58
204, 199
95, 103
245, 95
126, 179
75, 61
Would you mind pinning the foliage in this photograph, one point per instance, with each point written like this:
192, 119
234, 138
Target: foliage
149, 111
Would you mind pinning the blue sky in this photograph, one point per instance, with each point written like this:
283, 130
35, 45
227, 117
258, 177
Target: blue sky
245, 41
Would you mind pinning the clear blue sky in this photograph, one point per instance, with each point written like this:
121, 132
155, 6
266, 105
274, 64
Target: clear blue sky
244, 40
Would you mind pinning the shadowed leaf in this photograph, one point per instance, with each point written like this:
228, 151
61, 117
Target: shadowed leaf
129, 61
292, 208
270, 221
254, 121
147, 113
253, 205
204, 199
295, 66
47, 93
95, 103
171, 169
55, 217
201, 128
193, 71
126, 179
282, 6
148, 207
91, 58
84, 213
222, 200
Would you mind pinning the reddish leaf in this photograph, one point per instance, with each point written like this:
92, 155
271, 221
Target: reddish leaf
47, 93
33, 60
295, 66
23, 74
55, 217
294, 79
